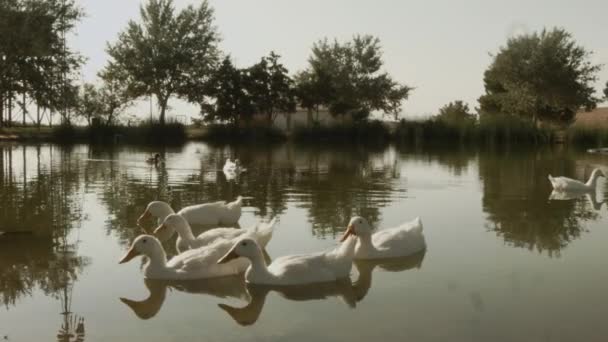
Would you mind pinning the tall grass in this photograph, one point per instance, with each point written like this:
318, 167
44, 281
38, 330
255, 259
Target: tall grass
219, 133
149, 132
490, 130
587, 137
373, 132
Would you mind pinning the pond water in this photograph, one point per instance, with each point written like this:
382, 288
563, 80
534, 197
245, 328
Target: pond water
504, 261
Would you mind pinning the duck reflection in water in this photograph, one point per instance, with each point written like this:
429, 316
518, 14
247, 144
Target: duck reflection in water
349, 293
224, 287
561, 195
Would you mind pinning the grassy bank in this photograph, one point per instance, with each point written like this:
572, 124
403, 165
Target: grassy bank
145, 133
490, 131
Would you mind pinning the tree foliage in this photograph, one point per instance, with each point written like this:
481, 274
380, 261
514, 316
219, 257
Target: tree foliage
270, 87
230, 98
542, 76
166, 54
455, 113
606, 91
34, 59
348, 78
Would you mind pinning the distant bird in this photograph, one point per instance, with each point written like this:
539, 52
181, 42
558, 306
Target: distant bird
569, 184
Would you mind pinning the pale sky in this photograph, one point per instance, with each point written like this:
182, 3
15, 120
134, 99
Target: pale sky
439, 47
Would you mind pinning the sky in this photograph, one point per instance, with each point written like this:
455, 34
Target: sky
441, 48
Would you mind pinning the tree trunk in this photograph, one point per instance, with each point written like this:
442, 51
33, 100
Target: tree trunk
10, 109
38, 115
162, 102
1, 108
24, 109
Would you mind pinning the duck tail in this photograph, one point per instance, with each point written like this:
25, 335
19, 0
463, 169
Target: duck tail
417, 226
264, 231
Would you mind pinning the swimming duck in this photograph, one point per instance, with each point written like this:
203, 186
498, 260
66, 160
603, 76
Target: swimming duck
403, 240
192, 264
214, 213
569, 184
185, 240
293, 269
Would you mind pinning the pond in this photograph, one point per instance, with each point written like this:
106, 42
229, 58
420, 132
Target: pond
504, 261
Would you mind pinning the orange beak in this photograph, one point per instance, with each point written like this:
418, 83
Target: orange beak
349, 231
160, 229
143, 216
231, 255
132, 253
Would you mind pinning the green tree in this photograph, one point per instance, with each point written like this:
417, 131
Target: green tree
544, 76
455, 112
271, 89
34, 59
167, 54
606, 91
352, 74
230, 99
313, 90
89, 104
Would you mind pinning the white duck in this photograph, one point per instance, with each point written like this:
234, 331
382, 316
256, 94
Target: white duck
192, 264
294, 269
400, 241
262, 232
232, 166
569, 184
214, 213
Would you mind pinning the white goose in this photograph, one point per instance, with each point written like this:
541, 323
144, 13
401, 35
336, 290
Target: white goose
569, 184
294, 269
192, 264
262, 232
214, 213
400, 241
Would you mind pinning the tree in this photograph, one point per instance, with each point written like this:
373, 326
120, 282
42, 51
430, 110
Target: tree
271, 89
312, 90
89, 104
455, 113
231, 101
351, 76
544, 76
606, 91
34, 59
166, 54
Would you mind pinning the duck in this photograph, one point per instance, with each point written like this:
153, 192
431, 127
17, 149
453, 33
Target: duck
196, 263
186, 239
569, 184
155, 159
293, 269
230, 165
214, 213
404, 240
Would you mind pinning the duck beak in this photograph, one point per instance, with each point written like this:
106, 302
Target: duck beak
143, 216
162, 228
132, 253
231, 255
350, 230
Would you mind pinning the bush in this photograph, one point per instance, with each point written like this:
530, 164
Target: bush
227, 133
587, 137
374, 131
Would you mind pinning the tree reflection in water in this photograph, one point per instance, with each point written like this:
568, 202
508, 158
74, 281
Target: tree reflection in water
515, 198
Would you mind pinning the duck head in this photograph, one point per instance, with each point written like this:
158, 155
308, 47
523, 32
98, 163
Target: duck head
173, 223
357, 226
146, 245
157, 209
246, 247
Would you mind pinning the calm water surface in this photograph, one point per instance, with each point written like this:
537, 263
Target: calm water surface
504, 262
